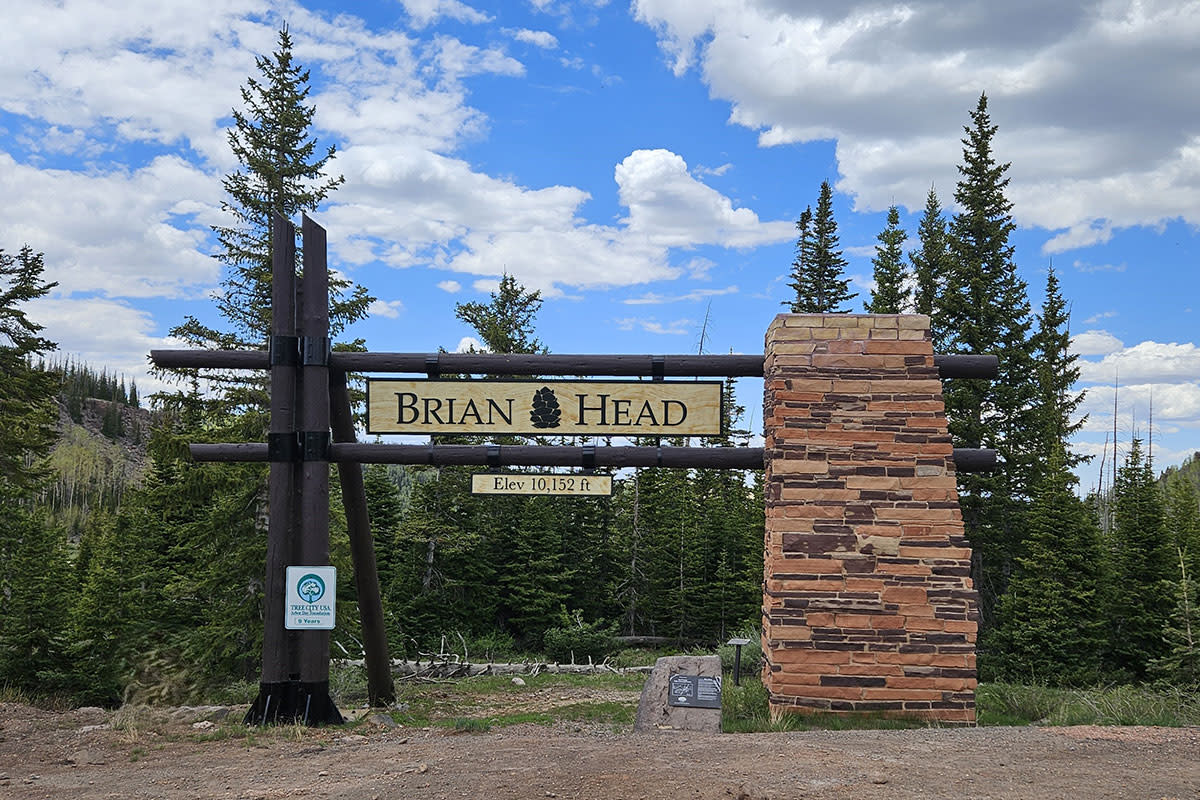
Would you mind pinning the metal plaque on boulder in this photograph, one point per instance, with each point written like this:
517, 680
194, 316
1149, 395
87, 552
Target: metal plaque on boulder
694, 691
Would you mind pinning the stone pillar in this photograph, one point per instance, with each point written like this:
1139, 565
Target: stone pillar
868, 604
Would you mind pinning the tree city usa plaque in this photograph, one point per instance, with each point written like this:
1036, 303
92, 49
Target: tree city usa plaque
558, 408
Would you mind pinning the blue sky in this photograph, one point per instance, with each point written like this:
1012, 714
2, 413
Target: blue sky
641, 164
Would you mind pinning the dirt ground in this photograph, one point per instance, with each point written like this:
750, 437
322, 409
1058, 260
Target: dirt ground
90, 753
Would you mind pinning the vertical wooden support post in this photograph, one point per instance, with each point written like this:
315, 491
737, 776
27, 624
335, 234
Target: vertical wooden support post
276, 697
867, 599
313, 545
380, 688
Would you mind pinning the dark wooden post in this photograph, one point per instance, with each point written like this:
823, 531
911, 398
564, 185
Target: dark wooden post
276, 696
313, 545
380, 688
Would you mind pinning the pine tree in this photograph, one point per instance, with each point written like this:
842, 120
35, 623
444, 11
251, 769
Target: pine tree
1182, 519
802, 265
1055, 402
1049, 628
1141, 569
829, 290
986, 310
280, 172
890, 295
505, 324
27, 415
930, 264
1180, 665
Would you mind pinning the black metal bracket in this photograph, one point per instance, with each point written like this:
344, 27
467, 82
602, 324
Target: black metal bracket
493, 457
589, 458
285, 351
316, 446
658, 367
283, 447
315, 351
432, 369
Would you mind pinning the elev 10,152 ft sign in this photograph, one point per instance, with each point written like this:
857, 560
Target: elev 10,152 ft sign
556, 408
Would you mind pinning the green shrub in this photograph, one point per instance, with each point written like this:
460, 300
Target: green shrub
576, 641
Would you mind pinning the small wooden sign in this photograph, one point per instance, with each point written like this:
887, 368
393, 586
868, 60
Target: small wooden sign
548, 408
561, 483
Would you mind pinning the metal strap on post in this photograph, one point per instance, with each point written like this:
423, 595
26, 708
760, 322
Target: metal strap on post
315, 351
283, 447
285, 351
316, 446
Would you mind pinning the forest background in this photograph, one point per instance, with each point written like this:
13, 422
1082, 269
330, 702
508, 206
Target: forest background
141, 574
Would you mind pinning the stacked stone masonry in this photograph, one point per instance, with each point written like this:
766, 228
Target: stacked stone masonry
868, 604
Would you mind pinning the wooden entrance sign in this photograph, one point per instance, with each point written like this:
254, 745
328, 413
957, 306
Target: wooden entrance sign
867, 604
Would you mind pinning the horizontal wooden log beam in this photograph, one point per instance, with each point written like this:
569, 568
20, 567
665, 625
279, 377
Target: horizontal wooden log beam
672, 366
966, 460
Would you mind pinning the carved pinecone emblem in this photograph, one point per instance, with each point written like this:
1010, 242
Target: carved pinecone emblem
545, 413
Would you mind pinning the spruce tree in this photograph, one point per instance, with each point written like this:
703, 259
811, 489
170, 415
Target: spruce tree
1140, 571
505, 323
1049, 627
280, 171
930, 265
1182, 519
1055, 372
829, 290
802, 274
986, 310
27, 413
1179, 667
890, 295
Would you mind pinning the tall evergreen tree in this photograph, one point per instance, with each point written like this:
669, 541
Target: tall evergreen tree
1055, 372
931, 264
1048, 626
35, 586
1139, 599
505, 324
890, 295
280, 171
829, 291
27, 413
802, 274
1182, 519
1180, 665
986, 310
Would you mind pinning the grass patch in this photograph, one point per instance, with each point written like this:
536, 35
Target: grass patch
1016, 704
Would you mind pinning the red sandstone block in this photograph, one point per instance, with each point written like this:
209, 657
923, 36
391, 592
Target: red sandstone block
906, 569
811, 656
863, 584
820, 619
802, 348
796, 467
872, 482
873, 670
833, 692
919, 623
782, 363
928, 494
846, 346
940, 684
781, 680
887, 622
961, 626
853, 621
901, 694
885, 347
904, 594
907, 659
916, 610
